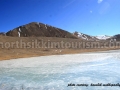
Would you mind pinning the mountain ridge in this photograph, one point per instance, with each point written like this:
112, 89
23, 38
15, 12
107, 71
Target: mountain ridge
37, 29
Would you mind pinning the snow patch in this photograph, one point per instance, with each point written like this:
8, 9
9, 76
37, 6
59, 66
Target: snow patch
5, 34
19, 30
103, 37
82, 36
85, 37
18, 34
45, 26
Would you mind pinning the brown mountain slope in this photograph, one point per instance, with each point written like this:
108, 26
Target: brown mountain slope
39, 30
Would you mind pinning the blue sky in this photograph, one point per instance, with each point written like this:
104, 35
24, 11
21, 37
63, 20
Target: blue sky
93, 17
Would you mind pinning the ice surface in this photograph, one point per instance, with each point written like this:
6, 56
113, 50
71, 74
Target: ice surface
57, 71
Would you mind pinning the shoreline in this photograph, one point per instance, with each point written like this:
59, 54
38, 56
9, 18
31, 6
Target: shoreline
53, 52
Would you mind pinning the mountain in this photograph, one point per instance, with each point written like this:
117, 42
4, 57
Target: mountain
35, 29
115, 37
2, 34
95, 38
85, 36
103, 37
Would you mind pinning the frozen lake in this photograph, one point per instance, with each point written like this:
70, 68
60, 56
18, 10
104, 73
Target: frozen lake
58, 71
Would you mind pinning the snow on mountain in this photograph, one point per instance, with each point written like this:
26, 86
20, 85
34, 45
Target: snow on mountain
85, 36
81, 35
103, 37
91, 38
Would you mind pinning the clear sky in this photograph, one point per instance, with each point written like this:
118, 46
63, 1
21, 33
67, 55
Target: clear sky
92, 17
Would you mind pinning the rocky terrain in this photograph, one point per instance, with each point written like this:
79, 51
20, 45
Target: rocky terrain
35, 29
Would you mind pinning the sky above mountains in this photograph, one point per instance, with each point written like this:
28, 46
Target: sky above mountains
92, 17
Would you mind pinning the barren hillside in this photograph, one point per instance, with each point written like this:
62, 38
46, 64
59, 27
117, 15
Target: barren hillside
35, 29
